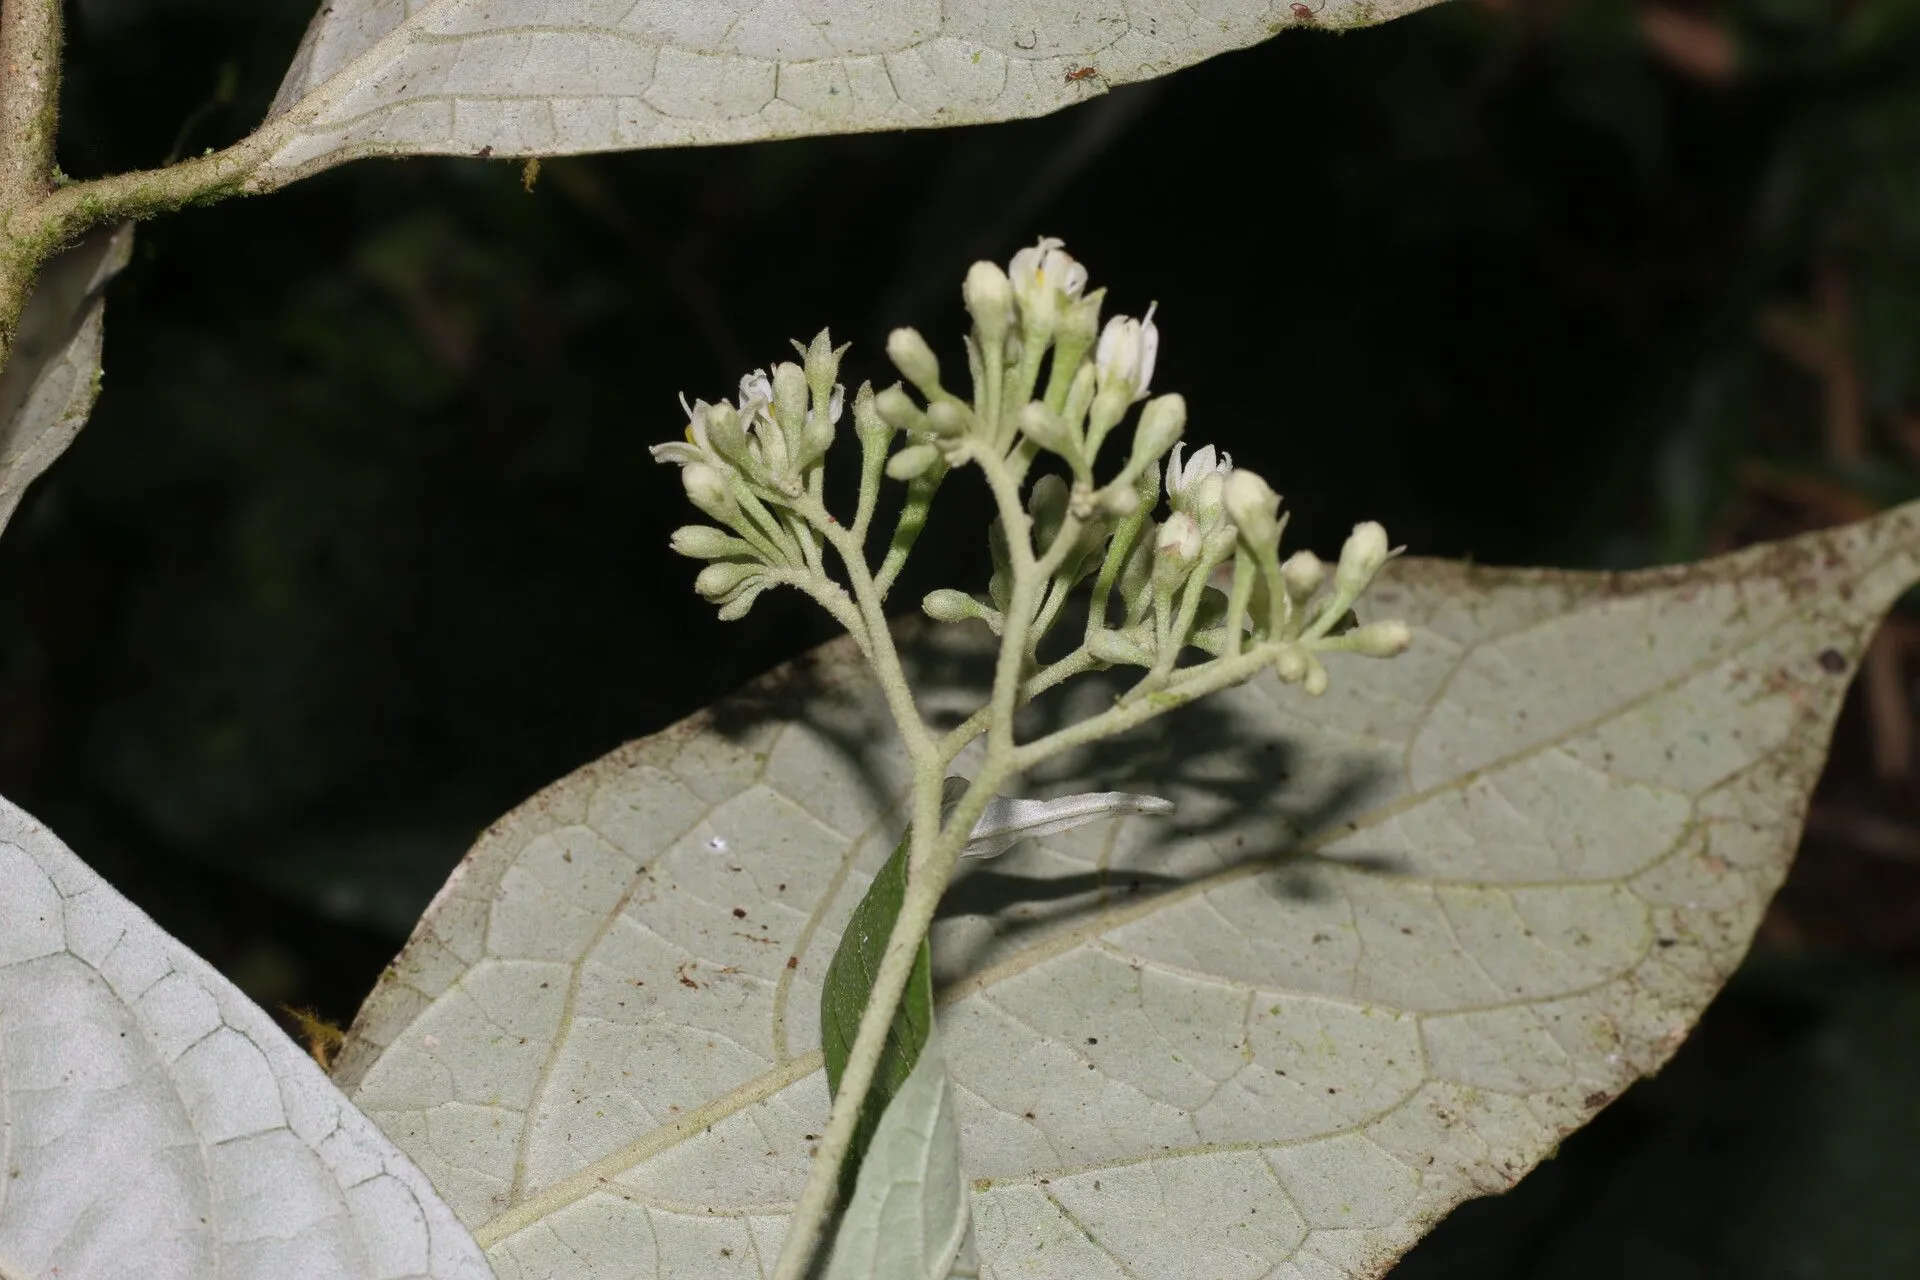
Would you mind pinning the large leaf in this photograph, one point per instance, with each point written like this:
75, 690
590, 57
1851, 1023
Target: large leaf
49, 384
155, 1123
1396, 944
548, 77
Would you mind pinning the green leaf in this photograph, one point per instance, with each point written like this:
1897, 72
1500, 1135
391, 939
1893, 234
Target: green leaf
908, 1219
843, 997
1399, 941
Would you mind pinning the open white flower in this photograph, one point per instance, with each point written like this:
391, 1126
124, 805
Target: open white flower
755, 416
1195, 486
1123, 361
1045, 280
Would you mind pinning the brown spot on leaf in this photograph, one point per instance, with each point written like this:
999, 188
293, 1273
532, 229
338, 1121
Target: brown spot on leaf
1832, 661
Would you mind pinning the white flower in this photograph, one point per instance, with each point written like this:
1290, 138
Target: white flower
1124, 359
1045, 279
1195, 486
756, 420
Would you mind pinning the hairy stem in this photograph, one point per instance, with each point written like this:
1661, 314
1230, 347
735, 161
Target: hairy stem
1207, 678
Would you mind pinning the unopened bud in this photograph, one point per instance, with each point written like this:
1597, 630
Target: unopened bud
822, 361
1379, 639
949, 419
1253, 507
1119, 503
947, 605
721, 424
736, 606
1048, 430
989, 298
719, 579
912, 462
708, 490
790, 397
1316, 682
1290, 664
1161, 423
704, 542
914, 359
1361, 558
1303, 572
898, 410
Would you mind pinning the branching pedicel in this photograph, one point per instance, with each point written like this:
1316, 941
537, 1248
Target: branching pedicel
756, 467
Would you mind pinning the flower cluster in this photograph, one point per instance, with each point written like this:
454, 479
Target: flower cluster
1048, 385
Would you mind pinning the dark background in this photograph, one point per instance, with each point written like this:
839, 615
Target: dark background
363, 545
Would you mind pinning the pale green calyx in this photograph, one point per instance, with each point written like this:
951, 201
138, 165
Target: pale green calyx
1192, 593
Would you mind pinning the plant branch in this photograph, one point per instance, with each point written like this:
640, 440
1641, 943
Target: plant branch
1207, 678
29, 101
935, 849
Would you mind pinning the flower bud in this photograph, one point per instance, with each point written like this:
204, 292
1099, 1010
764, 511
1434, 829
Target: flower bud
1380, 639
1119, 503
1080, 322
735, 608
704, 542
1161, 423
1204, 498
868, 421
1049, 430
1303, 573
947, 605
1316, 682
722, 577
817, 436
989, 298
1361, 558
707, 489
725, 432
1290, 663
949, 419
790, 397
822, 361
899, 411
1253, 507
914, 359
912, 462
1125, 357
1217, 545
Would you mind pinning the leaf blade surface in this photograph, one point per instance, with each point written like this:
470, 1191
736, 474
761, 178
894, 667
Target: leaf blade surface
155, 1122
1395, 945
552, 77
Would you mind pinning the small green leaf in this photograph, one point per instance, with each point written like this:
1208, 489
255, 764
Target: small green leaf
844, 996
908, 1219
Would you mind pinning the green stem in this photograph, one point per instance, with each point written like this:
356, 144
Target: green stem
1199, 681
